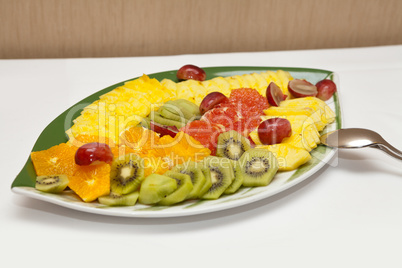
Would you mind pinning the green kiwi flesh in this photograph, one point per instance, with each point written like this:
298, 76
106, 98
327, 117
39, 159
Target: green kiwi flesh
126, 174
184, 187
158, 118
258, 167
197, 178
221, 171
183, 107
172, 116
51, 183
237, 181
207, 174
114, 199
232, 145
155, 187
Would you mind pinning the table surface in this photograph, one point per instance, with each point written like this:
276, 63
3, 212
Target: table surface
347, 215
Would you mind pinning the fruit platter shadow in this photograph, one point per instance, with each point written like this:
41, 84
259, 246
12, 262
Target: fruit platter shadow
357, 162
52, 214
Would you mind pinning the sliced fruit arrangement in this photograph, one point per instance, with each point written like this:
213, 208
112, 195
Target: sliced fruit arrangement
195, 90
160, 143
120, 108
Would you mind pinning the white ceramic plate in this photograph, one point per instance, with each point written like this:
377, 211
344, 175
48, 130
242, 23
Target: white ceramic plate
24, 183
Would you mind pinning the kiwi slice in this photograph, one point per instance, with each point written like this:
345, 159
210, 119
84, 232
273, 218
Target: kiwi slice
207, 174
146, 123
114, 199
155, 187
51, 183
165, 113
221, 171
258, 167
183, 107
197, 178
232, 144
158, 118
184, 187
126, 174
238, 179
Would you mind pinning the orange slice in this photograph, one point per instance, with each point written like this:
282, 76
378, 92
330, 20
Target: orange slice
58, 159
91, 182
181, 148
82, 139
140, 138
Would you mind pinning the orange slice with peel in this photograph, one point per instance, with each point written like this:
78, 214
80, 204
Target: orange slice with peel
91, 182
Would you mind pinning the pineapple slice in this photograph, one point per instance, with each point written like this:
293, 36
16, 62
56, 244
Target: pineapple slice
303, 131
233, 82
120, 108
262, 84
325, 114
223, 85
289, 157
308, 111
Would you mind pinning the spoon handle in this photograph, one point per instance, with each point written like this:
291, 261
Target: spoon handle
389, 149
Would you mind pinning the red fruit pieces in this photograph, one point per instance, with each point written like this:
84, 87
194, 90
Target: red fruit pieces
248, 101
191, 72
205, 132
300, 88
274, 94
241, 112
211, 100
326, 88
274, 130
93, 152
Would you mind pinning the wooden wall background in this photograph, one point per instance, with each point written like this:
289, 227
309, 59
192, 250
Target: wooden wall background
110, 28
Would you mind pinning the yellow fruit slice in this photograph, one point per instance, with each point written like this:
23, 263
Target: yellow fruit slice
308, 111
325, 113
288, 156
301, 128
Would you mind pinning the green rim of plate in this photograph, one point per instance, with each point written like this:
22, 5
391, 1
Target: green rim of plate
54, 133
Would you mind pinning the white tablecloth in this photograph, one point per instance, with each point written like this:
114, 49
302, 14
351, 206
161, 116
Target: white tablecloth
347, 215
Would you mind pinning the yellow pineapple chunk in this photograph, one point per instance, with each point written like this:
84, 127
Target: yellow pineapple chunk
289, 157
325, 113
303, 130
308, 111
120, 108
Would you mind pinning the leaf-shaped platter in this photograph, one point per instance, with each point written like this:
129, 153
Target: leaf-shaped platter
54, 134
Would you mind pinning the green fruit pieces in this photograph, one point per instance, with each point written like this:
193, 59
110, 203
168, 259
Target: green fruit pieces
258, 167
158, 118
207, 174
238, 179
155, 187
197, 178
166, 113
114, 199
183, 108
51, 183
184, 187
221, 172
232, 145
126, 174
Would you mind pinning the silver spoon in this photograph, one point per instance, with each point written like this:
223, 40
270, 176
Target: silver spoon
359, 138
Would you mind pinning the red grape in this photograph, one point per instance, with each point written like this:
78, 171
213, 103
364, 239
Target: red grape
274, 130
191, 72
93, 152
274, 94
326, 88
164, 130
211, 100
301, 88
